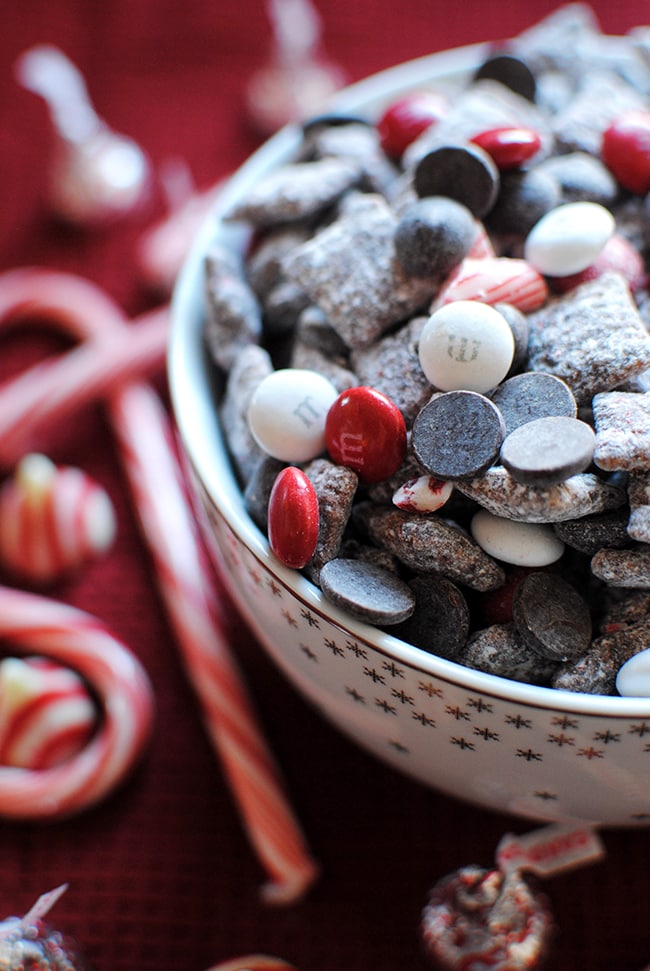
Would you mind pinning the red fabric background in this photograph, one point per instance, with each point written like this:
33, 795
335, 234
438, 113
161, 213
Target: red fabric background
161, 875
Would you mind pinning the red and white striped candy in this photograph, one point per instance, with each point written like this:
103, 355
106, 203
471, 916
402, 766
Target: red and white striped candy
52, 520
32, 624
423, 494
618, 255
81, 310
496, 280
47, 714
482, 246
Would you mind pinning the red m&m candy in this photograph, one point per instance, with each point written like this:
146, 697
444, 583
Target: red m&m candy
625, 150
365, 431
509, 147
293, 518
405, 119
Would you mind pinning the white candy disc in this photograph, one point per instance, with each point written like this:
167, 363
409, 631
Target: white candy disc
569, 238
633, 678
523, 544
466, 346
287, 413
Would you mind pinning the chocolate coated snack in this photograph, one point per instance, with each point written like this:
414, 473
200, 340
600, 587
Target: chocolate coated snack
477, 918
498, 298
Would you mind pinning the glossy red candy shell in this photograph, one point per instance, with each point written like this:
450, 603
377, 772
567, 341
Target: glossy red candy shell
365, 431
626, 150
293, 518
405, 119
508, 147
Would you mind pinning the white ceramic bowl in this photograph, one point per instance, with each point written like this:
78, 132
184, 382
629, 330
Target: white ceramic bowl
531, 751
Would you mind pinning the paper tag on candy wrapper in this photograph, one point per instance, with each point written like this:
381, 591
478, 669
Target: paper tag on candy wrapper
550, 850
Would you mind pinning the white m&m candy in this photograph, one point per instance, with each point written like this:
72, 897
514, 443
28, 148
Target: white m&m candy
466, 346
287, 413
569, 238
522, 544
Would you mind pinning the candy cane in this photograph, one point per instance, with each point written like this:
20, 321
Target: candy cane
158, 491
155, 478
47, 713
49, 392
35, 624
253, 962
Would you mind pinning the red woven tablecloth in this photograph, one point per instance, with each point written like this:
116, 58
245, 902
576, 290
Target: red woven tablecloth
161, 875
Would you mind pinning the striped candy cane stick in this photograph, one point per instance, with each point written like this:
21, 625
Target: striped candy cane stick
49, 392
253, 962
82, 310
156, 482
37, 625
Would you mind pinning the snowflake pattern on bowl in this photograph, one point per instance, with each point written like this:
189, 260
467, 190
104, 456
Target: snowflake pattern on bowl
535, 760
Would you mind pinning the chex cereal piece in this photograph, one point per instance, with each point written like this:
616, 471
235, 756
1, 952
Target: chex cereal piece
499, 650
593, 533
595, 672
580, 495
623, 568
638, 491
311, 359
602, 98
430, 545
622, 422
295, 191
251, 365
593, 337
391, 365
633, 610
335, 487
282, 307
233, 313
352, 549
264, 266
357, 143
561, 40
359, 305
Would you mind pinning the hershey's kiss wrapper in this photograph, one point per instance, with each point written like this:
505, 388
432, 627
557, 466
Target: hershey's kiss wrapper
96, 175
29, 944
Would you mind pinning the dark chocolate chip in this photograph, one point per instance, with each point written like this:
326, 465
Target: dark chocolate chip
533, 394
367, 591
457, 434
510, 71
433, 236
462, 172
524, 197
549, 450
440, 624
551, 617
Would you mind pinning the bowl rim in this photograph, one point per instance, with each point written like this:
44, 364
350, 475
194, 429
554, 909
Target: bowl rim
196, 417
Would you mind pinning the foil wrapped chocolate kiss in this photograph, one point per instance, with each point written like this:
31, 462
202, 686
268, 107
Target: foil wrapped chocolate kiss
96, 174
